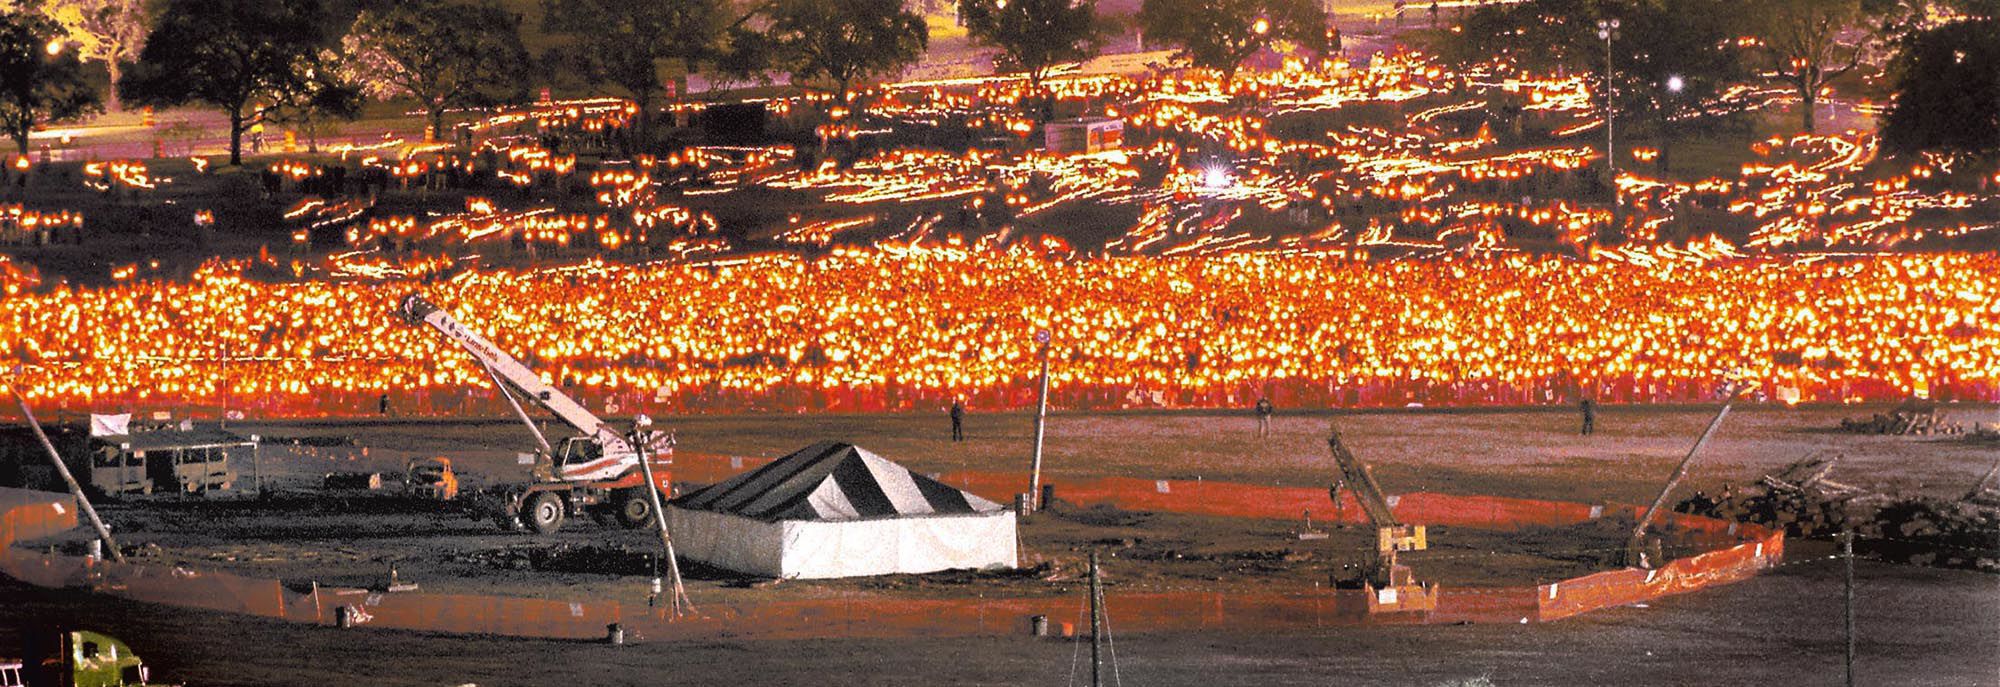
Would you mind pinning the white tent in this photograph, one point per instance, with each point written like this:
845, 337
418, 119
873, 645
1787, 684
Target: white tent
835, 510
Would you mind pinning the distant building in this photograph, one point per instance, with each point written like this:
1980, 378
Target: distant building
1084, 135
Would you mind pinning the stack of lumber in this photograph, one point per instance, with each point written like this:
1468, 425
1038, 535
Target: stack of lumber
1903, 422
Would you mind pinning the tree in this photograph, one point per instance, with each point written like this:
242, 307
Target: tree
843, 41
108, 31
328, 93
1947, 90
1803, 40
443, 55
40, 81
627, 42
1220, 34
1673, 62
1034, 35
242, 56
1676, 63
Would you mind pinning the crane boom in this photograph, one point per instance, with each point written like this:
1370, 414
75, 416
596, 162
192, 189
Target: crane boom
510, 371
1391, 536
1360, 480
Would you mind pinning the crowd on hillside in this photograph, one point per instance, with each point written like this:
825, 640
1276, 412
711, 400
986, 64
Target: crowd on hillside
905, 327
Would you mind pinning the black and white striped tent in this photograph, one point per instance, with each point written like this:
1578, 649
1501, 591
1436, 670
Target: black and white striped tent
833, 481
836, 510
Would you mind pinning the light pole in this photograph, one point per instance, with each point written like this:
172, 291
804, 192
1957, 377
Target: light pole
1675, 84
1607, 29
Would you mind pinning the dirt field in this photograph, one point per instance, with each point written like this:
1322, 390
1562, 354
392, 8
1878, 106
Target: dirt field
353, 543
1919, 626
1534, 453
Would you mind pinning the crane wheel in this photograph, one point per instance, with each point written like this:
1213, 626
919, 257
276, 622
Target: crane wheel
635, 511
545, 512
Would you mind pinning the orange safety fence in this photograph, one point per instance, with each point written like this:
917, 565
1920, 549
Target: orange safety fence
1742, 550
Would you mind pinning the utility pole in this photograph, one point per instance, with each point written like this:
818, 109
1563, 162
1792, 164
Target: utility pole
1847, 552
55, 458
1096, 625
1041, 422
1607, 29
640, 436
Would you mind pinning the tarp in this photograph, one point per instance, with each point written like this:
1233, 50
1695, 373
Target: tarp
836, 510
110, 425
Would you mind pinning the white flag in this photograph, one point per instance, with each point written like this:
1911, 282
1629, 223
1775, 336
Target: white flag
110, 425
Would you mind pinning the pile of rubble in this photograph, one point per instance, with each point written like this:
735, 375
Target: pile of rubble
1962, 533
1910, 418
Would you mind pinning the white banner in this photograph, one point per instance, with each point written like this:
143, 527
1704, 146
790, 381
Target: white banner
110, 425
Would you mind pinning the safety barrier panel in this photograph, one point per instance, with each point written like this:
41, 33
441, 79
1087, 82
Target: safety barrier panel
1741, 551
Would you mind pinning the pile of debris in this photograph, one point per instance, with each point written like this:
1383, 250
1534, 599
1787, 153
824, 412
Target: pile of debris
1910, 418
1963, 533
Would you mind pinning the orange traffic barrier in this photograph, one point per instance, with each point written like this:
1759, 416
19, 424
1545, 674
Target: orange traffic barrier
1742, 551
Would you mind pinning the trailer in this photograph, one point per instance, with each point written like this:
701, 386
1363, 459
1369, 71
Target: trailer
174, 460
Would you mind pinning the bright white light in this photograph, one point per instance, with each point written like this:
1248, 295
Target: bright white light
1216, 177
1675, 84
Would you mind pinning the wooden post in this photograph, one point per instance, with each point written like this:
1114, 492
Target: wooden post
1847, 552
660, 519
1984, 480
1041, 420
257, 463
82, 501
1635, 549
1096, 625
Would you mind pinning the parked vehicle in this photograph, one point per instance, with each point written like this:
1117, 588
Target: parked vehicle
74, 659
431, 479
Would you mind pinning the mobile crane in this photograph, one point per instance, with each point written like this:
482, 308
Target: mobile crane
1391, 586
598, 472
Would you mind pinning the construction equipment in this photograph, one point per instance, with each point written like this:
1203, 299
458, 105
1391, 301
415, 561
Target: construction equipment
596, 472
430, 479
1391, 586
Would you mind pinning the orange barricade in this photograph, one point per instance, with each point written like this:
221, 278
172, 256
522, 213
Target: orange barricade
1744, 550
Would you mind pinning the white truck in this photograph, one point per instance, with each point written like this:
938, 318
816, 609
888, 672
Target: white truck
597, 472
